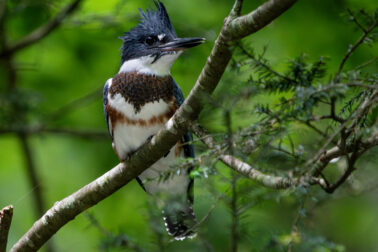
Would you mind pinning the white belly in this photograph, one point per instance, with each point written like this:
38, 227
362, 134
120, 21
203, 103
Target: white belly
129, 137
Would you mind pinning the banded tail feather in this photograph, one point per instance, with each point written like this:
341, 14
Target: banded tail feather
180, 221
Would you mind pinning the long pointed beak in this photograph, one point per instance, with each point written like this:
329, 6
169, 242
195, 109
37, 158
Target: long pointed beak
179, 44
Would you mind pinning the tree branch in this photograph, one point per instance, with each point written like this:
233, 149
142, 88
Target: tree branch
353, 48
263, 15
32, 176
236, 10
278, 182
373, 60
84, 100
6, 215
343, 178
41, 32
262, 64
67, 209
271, 181
322, 157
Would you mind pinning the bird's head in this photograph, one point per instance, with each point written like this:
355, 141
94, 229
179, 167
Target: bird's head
152, 46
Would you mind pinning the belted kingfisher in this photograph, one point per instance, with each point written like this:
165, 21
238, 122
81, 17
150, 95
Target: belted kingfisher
140, 99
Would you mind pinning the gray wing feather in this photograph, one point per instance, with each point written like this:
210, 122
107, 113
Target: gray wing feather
105, 102
187, 138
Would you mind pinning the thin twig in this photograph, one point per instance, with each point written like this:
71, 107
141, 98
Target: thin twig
375, 59
308, 123
211, 209
355, 20
354, 117
333, 113
353, 48
86, 99
94, 222
372, 86
294, 227
268, 68
34, 180
351, 162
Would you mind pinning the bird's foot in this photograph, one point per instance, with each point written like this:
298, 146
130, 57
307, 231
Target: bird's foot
149, 138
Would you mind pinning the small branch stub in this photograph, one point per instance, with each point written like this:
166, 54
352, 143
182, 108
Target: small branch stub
6, 215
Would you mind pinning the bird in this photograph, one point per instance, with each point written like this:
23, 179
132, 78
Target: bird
140, 99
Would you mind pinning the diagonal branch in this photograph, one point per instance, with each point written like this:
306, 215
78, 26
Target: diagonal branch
6, 215
84, 100
41, 32
265, 66
353, 48
248, 171
67, 209
279, 182
33, 177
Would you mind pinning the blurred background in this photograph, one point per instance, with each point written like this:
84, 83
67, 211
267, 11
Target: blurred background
59, 84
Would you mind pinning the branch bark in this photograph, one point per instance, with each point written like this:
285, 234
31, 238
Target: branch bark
6, 215
67, 209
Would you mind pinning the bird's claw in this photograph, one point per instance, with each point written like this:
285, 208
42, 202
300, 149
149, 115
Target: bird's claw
128, 156
149, 138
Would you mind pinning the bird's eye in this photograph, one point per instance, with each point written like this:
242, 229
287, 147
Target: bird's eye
150, 40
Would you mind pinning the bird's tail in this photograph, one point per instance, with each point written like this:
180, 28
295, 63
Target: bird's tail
180, 220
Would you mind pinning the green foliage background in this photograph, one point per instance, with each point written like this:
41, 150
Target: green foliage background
81, 55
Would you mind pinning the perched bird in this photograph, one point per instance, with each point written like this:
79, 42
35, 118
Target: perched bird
140, 99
